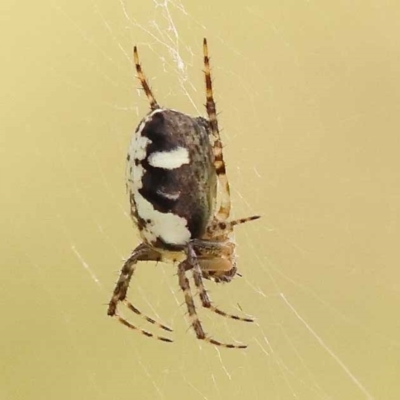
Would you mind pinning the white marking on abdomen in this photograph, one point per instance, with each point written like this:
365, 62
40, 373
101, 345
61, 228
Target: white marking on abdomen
169, 227
169, 159
170, 196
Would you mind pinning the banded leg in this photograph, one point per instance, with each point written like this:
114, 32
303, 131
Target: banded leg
205, 300
141, 253
196, 324
143, 81
220, 228
225, 206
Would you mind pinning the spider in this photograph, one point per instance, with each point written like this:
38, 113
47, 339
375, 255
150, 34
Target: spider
175, 169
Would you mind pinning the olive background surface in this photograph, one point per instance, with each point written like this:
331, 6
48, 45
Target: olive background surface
308, 95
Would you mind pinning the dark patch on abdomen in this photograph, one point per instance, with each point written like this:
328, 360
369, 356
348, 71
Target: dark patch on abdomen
155, 181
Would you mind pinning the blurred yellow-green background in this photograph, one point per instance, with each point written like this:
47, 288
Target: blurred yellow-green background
309, 99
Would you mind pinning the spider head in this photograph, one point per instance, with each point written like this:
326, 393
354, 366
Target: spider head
216, 250
217, 259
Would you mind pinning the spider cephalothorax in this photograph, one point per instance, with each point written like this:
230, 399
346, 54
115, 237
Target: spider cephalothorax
175, 173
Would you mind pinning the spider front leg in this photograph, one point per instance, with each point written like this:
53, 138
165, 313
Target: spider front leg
198, 280
141, 253
185, 286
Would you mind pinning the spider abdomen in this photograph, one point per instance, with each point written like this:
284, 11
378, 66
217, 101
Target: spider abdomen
171, 178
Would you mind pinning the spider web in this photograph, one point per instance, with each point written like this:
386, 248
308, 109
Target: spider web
318, 334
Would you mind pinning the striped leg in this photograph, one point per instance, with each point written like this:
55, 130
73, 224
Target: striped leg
225, 207
219, 228
141, 253
196, 324
205, 300
143, 81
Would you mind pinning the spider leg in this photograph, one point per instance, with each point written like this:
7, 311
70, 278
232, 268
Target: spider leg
141, 253
143, 81
242, 220
196, 324
205, 300
148, 319
219, 164
219, 228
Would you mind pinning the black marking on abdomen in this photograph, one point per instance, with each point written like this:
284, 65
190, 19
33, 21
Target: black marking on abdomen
156, 181
156, 131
